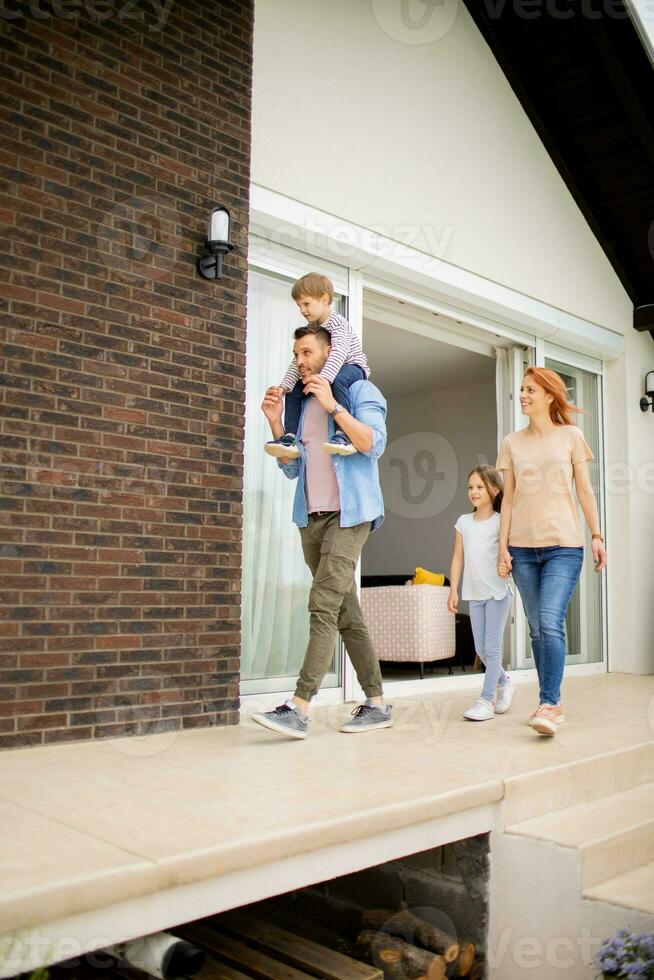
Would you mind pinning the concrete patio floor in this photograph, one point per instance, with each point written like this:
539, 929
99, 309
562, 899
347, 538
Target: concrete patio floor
111, 829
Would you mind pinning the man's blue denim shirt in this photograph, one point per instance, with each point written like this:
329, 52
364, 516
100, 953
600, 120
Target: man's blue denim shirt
357, 475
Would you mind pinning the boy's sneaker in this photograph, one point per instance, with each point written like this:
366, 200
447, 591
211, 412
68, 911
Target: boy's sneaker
284, 446
547, 719
481, 710
504, 698
339, 445
285, 719
367, 717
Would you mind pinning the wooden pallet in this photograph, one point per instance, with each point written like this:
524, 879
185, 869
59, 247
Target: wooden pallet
251, 947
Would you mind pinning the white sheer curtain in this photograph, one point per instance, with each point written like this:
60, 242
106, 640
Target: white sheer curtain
276, 582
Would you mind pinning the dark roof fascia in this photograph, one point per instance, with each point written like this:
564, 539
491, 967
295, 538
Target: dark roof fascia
618, 46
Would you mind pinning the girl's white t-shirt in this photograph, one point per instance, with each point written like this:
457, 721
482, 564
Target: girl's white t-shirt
481, 540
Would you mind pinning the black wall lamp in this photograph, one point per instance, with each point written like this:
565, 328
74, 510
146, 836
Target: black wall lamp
647, 400
210, 265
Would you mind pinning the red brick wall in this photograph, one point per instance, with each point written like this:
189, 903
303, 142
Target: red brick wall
122, 396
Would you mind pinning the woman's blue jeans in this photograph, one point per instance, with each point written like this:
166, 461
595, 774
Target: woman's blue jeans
546, 579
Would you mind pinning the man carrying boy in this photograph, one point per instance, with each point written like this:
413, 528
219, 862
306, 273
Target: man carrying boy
338, 502
314, 295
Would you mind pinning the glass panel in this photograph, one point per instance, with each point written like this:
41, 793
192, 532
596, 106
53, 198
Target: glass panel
523, 360
275, 581
584, 617
504, 369
511, 366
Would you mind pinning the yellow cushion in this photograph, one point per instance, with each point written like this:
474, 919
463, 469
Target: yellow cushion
424, 577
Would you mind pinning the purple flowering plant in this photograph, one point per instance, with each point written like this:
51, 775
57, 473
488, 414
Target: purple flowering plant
627, 955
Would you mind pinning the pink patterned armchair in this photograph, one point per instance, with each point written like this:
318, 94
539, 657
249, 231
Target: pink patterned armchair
410, 623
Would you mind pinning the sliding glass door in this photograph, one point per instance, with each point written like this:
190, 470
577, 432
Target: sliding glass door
584, 620
511, 366
275, 581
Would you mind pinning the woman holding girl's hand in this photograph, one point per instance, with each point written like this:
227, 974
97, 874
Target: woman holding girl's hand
541, 540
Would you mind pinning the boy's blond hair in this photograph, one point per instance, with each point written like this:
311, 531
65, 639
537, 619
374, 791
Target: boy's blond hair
313, 284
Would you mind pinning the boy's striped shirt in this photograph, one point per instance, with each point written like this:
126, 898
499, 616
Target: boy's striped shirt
346, 349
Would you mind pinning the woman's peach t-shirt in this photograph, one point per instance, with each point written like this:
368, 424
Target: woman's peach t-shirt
545, 511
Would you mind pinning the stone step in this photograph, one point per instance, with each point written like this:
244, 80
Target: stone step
613, 833
569, 784
633, 889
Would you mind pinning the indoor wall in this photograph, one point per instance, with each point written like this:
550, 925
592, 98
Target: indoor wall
441, 422
464, 418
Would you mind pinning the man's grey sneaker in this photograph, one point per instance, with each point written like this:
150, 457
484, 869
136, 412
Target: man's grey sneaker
367, 717
339, 445
284, 446
285, 719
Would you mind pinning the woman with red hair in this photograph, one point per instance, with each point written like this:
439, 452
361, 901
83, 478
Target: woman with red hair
541, 539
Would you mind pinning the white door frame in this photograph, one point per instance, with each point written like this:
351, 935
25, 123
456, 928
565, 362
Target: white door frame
474, 299
270, 257
289, 228
352, 690
519, 619
576, 360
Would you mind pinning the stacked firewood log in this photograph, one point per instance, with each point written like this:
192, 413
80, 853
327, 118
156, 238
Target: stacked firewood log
407, 947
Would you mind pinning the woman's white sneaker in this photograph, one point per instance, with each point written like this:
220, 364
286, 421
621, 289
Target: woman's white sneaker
504, 698
480, 711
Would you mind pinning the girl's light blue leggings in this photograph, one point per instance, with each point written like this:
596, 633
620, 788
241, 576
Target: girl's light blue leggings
488, 618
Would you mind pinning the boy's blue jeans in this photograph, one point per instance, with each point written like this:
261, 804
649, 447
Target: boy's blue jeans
348, 374
546, 579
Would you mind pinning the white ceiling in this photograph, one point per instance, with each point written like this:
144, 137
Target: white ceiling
404, 363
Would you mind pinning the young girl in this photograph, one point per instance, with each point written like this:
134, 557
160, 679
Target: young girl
488, 595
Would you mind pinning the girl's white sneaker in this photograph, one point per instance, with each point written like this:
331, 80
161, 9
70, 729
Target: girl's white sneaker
480, 711
504, 698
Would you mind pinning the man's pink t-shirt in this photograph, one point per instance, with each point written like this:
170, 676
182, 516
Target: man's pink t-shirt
320, 479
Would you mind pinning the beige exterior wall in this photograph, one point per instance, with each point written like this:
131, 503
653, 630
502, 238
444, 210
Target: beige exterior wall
427, 143
630, 508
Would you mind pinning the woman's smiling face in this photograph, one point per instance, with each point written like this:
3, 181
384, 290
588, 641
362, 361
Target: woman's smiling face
533, 398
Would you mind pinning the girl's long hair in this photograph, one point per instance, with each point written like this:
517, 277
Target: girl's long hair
492, 480
560, 408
